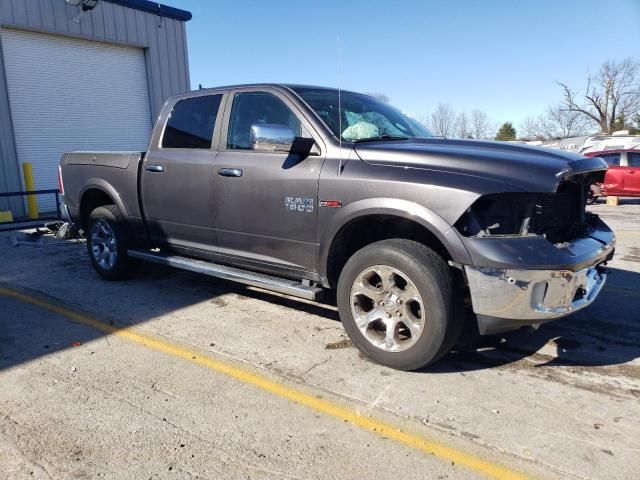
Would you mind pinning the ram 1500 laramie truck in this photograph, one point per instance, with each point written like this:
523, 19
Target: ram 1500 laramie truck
299, 189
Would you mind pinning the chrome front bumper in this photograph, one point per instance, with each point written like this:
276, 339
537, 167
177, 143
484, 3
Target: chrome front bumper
532, 296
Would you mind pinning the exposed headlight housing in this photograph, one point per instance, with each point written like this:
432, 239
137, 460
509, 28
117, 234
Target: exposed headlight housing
558, 216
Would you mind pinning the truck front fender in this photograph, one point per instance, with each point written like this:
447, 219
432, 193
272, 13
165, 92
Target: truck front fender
393, 207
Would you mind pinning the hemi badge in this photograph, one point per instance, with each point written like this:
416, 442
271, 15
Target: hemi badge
331, 203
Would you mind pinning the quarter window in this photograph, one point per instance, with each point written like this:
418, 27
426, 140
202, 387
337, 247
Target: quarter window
251, 108
191, 123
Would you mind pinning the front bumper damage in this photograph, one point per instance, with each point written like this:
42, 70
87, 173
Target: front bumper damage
505, 299
509, 296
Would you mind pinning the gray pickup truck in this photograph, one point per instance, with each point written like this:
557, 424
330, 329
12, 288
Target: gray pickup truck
300, 189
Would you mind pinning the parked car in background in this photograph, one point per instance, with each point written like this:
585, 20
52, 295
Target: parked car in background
622, 154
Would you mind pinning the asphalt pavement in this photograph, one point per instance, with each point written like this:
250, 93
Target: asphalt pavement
176, 375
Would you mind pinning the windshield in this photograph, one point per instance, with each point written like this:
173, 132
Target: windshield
364, 118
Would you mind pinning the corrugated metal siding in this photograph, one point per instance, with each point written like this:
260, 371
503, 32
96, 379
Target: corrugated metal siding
77, 95
165, 37
164, 40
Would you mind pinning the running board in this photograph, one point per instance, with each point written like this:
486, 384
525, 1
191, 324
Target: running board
261, 280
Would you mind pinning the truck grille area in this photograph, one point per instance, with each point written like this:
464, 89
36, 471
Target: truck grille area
559, 216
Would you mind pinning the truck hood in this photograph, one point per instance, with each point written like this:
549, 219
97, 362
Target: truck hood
528, 168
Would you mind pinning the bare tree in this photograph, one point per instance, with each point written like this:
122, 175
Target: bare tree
612, 92
480, 125
380, 96
424, 120
463, 127
556, 123
443, 121
530, 128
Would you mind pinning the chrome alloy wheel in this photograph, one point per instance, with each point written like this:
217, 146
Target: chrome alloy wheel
387, 308
103, 245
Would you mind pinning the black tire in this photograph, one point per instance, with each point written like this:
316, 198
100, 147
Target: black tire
442, 315
121, 267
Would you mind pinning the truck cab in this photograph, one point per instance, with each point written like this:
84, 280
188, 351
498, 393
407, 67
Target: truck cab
209, 190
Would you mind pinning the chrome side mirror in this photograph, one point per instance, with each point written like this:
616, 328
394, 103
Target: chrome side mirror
271, 137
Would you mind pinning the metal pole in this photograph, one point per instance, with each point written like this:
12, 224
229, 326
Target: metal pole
30, 186
57, 206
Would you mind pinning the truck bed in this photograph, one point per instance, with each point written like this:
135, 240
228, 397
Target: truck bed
102, 159
92, 173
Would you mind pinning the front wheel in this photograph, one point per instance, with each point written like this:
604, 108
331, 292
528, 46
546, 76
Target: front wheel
107, 243
398, 303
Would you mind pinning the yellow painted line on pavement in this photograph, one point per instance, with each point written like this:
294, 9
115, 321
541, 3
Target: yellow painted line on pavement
379, 427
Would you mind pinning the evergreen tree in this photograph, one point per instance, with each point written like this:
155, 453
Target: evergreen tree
506, 132
621, 123
634, 128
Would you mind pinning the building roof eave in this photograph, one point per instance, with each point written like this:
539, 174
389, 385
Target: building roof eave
156, 8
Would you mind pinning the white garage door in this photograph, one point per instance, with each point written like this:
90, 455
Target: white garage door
68, 94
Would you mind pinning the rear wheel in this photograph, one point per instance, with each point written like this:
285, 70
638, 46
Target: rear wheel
398, 303
107, 243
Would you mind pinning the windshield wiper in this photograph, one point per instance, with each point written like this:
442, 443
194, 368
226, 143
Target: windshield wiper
380, 138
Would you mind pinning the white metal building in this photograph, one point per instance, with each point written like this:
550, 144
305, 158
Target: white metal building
74, 79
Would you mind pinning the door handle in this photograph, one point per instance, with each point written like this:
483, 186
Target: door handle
631, 171
154, 168
230, 172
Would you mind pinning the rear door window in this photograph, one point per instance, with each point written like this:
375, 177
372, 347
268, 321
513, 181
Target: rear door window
612, 159
191, 123
634, 159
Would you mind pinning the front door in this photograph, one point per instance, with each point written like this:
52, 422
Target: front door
615, 176
177, 177
632, 174
266, 203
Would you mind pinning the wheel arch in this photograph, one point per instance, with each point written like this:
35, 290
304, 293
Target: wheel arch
98, 193
350, 230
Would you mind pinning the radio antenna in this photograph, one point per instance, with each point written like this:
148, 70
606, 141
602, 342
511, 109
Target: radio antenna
339, 111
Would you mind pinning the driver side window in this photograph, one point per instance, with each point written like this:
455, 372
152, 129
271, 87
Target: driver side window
251, 108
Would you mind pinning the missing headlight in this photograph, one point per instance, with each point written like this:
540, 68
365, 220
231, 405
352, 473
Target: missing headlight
558, 216
498, 214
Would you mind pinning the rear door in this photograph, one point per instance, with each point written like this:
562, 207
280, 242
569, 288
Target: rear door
632, 174
266, 202
177, 177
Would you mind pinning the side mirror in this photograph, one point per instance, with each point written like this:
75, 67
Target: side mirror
271, 137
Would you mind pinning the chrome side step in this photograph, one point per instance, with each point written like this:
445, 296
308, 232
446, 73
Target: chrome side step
261, 280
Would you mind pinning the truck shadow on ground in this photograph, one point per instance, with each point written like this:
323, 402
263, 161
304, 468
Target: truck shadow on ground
63, 276
608, 333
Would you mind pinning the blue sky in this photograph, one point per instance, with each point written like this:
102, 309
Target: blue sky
500, 56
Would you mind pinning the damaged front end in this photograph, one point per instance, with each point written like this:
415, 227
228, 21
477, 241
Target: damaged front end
558, 216
536, 256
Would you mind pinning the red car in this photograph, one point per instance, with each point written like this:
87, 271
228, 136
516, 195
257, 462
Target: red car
623, 176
